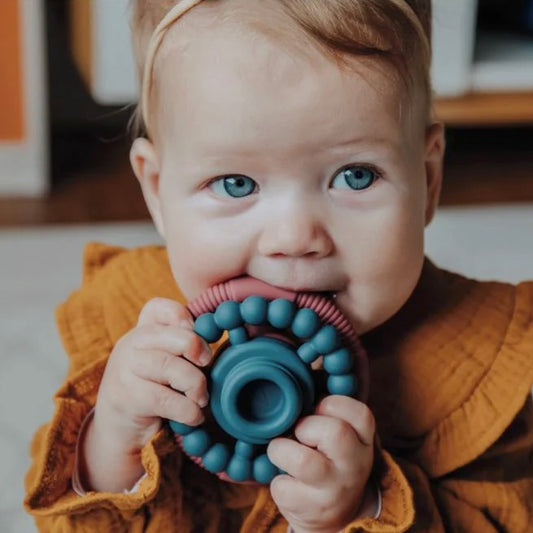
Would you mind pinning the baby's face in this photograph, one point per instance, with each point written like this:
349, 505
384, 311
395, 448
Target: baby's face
288, 170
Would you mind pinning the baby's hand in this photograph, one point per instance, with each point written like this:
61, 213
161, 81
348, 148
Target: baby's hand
328, 467
152, 373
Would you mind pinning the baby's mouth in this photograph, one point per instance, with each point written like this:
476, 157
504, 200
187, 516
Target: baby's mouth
301, 288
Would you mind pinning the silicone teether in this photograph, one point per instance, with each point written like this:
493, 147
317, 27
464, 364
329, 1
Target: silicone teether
260, 386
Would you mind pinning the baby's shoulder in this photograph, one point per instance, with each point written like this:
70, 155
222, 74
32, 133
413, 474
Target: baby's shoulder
455, 305
116, 283
482, 336
102, 261
498, 313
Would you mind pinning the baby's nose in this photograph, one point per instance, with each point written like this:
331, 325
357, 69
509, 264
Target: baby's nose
298, 233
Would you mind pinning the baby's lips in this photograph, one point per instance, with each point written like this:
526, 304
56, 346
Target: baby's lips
245, 286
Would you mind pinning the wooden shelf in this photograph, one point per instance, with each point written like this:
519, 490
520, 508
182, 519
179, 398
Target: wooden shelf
487, 109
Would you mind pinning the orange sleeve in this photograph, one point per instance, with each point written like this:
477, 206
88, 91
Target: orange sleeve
156, 504
49, 494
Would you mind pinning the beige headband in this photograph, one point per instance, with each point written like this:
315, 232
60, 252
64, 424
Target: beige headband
155, 42
182, 7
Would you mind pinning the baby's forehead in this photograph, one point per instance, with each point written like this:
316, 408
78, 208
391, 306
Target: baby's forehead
256, 24
256, 33
209, 40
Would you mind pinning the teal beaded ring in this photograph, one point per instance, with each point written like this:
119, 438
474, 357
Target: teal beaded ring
261, 386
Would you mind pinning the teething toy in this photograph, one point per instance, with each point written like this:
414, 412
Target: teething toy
261, 381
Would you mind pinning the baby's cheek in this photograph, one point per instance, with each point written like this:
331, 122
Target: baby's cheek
382, 284
185, 262
198, 268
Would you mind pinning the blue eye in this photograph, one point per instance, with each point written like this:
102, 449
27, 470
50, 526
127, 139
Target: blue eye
356, 178
234, 186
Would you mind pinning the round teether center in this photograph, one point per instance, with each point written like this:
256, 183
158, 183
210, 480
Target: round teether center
265, 403
259, 389
260, 401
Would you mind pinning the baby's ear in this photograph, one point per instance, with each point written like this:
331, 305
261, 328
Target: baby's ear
145, 164
434, 157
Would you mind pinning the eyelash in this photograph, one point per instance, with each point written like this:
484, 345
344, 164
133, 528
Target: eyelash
368, 166
220, 180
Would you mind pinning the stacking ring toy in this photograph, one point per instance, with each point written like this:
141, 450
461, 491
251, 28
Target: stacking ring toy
260, 386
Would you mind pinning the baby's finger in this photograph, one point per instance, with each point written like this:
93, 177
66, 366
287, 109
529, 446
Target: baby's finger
174, 406
167, 369
354, 412
291, 495
333, 437
173, 339
165, 311
158, 400
301, 462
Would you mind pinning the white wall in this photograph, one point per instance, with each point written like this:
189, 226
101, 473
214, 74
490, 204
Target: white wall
114, 77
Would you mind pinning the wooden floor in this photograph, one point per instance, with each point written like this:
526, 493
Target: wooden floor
93, 182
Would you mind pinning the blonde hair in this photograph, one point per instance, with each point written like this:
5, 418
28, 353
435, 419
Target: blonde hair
339, 27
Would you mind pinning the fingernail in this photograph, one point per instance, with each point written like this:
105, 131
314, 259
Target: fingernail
204, 359
204, 400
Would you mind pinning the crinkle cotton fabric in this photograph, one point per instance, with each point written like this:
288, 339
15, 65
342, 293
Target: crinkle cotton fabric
451, 376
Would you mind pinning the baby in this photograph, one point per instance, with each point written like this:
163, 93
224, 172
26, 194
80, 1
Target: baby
291, 141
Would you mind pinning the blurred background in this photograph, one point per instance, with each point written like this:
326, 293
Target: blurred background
66, 95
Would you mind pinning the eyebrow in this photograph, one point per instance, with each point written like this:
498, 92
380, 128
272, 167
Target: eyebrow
219, 153
382, 141
352, 148
222, 156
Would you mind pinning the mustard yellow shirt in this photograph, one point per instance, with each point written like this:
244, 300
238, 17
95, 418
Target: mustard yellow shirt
451, 376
